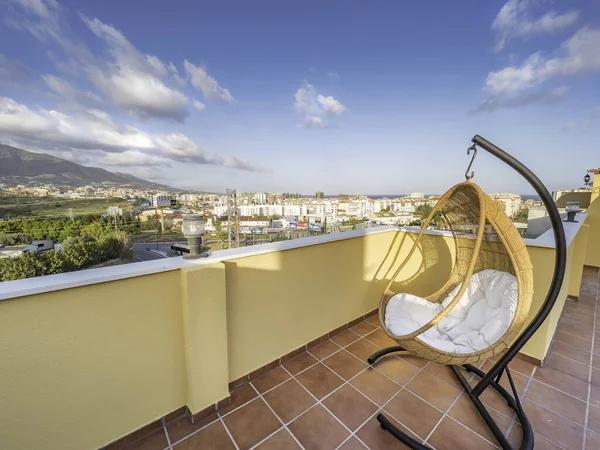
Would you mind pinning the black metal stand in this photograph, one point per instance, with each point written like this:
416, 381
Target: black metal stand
492, 377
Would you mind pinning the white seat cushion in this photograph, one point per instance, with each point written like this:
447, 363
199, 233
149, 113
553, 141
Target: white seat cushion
476, 322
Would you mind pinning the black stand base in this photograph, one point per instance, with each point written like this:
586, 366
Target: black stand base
511, 399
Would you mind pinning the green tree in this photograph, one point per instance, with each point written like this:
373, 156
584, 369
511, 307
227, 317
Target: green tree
522, 215
423, 212
220, 235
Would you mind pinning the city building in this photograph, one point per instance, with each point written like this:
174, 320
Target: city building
161, 200
320, 194
511, 203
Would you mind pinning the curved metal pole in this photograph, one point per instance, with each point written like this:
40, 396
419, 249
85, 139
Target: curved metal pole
559, 265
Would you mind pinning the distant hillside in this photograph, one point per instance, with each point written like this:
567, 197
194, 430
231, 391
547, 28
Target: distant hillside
30, 166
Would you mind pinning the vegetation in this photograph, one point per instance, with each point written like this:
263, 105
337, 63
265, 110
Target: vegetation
77, 253
14, 207
522, 215
423, 212
220, 235
60, 230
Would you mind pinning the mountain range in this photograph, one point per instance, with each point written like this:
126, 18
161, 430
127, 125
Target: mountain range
24, 166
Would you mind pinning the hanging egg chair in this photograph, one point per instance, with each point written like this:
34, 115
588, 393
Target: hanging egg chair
485, 301
481, 309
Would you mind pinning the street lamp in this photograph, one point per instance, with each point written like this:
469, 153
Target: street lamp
586, 180
193, 230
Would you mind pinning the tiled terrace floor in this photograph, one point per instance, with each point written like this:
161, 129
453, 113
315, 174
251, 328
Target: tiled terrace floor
328, 397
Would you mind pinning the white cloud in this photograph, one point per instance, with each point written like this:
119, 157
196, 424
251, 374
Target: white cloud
314, 106
332, 75
200, 107
570, 126
314, 122
132, 80
69, 93
331, 106
11, 70
504, 101
577, 55
96, 131
206, 84
513, 22
132, 158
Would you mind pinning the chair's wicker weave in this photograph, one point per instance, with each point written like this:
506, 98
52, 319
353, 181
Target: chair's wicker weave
485, 238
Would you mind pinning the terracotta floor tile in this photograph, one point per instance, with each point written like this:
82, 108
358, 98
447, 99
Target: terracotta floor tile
345, 338
451, 435
300, 363
374, 320
214, 437
182, 427
251, 423
574, 330
554, 427
377, 438
318, 430
282, 440
289, 400
320, 380
157, 440
352, 444
562, 381
465, 412
375, 386
563, 404
569, 366
413, 413
350, 406
592, 440
363, 328
397, 369
594, 419
596, 376
573, 341
439, 394
363, 349
324, 349
378, 337
239, 397
344, 364
493, 399
445, 374
270, 379
587, 323
539, 442
414, 360
595, 395
581, 356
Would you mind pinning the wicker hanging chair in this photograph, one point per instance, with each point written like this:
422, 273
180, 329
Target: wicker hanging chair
484, 238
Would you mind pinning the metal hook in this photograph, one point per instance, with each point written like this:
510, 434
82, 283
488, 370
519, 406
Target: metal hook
474, 148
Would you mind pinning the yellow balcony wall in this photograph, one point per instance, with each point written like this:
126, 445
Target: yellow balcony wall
83, 366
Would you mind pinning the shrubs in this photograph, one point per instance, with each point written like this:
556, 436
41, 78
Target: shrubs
76, 253
14, 239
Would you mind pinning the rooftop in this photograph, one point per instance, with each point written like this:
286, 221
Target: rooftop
328, 397
266, 347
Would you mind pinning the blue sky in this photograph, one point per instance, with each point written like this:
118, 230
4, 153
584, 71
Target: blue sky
343, 96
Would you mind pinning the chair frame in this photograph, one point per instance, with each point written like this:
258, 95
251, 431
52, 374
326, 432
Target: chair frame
493, 376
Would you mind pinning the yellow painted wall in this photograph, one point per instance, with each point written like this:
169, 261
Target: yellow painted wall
205, 335
592, 255
543, 267
579, 251
278, 302
84, 366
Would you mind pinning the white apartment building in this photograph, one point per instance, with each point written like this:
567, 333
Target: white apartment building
511, 202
